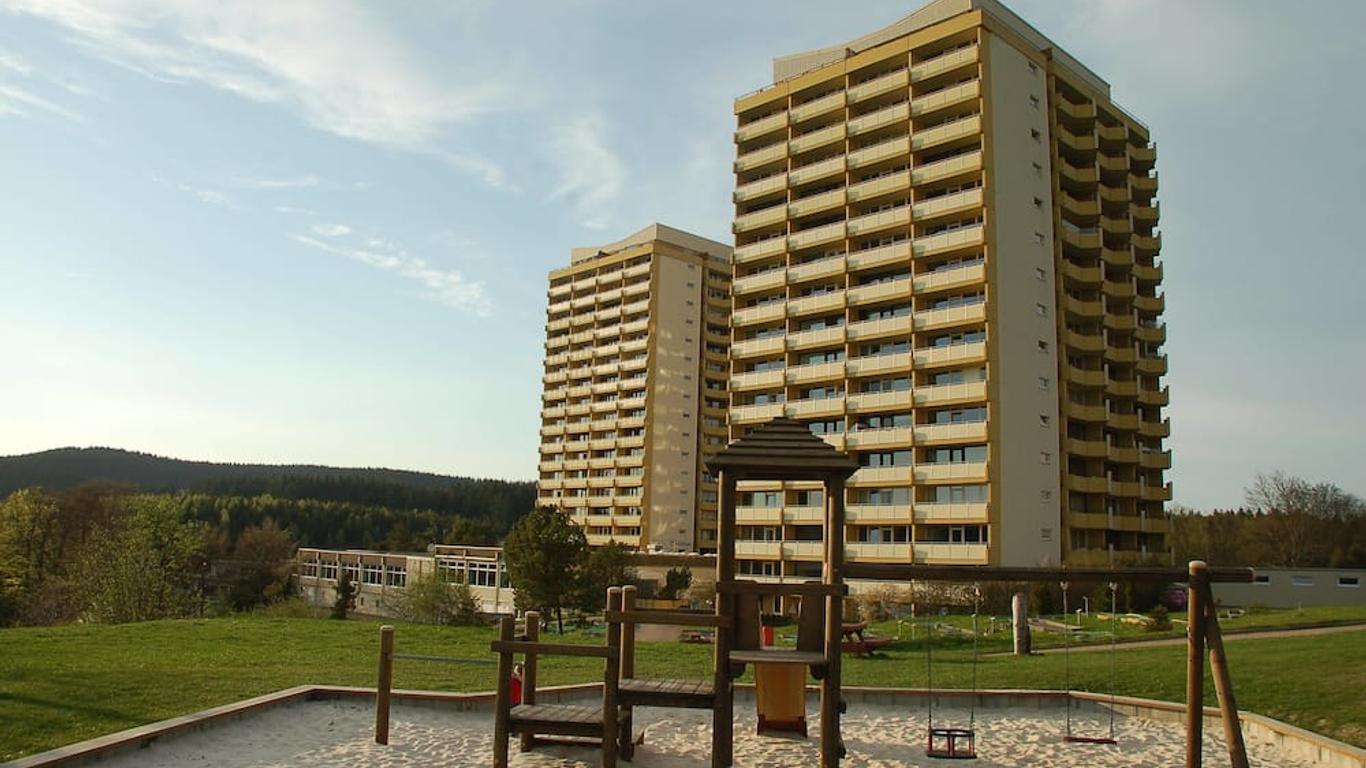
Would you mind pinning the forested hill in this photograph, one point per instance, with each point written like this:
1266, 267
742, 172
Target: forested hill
496, 501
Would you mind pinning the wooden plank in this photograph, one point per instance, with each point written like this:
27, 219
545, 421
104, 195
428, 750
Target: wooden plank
669, 618
811, 624
969, 573
723, 707
782, 589
385, 683
552, 649
533, 635
625, 744
746, 615
831, 748
1195, 663
778, 656
610, 680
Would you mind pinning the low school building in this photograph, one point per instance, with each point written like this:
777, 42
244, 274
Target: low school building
380, 577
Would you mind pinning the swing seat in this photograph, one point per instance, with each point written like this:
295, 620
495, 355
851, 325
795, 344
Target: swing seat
951, 744
1089, 740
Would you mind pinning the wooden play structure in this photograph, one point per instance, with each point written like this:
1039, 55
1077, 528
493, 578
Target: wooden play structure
785, 450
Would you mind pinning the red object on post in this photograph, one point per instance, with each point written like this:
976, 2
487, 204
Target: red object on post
766, 635
516, 689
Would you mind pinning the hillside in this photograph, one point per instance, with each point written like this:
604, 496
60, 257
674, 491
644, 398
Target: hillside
497, 501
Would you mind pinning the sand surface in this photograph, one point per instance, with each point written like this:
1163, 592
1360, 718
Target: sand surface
340, 733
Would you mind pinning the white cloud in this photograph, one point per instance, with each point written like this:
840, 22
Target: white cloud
297, 182
294, 209
210, 196
331, 230
446, 286
20, 99
332, 62
591, 176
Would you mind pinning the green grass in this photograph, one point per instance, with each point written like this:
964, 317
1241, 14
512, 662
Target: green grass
65, 684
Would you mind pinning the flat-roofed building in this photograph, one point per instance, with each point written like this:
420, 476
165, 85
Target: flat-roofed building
946, 264
380, 577
634, 398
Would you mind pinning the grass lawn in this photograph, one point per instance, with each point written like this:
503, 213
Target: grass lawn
65, 684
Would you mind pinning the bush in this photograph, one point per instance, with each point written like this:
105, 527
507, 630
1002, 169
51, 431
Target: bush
883, 602
1158, 621
428, 599
289, 608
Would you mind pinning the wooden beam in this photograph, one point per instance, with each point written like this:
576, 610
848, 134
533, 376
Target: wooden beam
668, 618
533, 635
834, 622
625, 745
611, 679
1223, 686
552, 649
385, 683
723, 708
814, 589
969, 573
1195, 662
502, 703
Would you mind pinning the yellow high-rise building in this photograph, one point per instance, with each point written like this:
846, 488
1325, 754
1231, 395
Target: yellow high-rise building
637, 334
946, 263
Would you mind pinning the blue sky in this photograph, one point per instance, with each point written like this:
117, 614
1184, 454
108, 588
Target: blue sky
318, 231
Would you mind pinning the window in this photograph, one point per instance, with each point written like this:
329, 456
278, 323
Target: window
1033, 100
1302, 581
1043, 382
1041, 310
1044, 419
1349, 581
1045, 496
1038, 203
1040, 274
1035, 135
1033, 68
1038, 238
1043, 345
1038, 169
1045, 457
1261, 578
373, 574
1046, 534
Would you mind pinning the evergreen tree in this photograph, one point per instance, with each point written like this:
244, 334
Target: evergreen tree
544, 551
346, 597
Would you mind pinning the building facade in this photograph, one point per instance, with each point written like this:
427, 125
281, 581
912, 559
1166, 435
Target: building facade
637, 337
1295, 588
946, 264
381, 576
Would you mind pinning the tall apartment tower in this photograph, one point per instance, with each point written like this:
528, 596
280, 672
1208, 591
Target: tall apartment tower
635, 389
946, 263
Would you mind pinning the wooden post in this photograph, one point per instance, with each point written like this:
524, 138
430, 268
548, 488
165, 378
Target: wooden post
626, 748
501, 698
533, 634
723, 709
1195, 662
1019, 622
834, 619
385, 683
1223, 685
610, 679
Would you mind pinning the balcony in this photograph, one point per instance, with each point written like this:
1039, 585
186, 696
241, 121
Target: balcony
763, 313
1160, 398
1079, 143
929, 357
1144, 185
804, 374
1122, 389
1092, 308
874, 222
933, 245
1155, 365
879, 85
771, 345
763, 125
869, 552
951, 554
882, 185
1084, 342
1117, 257
763, 550
1148, 273
817, 107
1093, 449
816, 139
816, 304
928, 473
957, 277
933, 319
1155, 428
950, 433
876, 292
760, 218
741, 382
947, 132
947, 168
816, 171
1150, 303
822, 337
896, 113
748, 414
765, 186
944, 204
865, 514
760, 281
1122, 421
1124, 488
946, 394
770, 154
1127, 355
805, 409
1145, 214
803, 550
1079, 174
1087, 209
945, 97
816, 236
1143, 155
759, 250
795, 515
1121, 455
1085, 111
876, 364
875, 402
1155, 459
882, 151
883, 476
1087, 238
814, 270
950, 513
816, 203
872, 329
944, 63
759, 515
868, 439
1088, 484
885, 255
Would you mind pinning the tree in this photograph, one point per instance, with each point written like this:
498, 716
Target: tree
141, 567
345, 601
428, 599
543, 552
676, 583
605, 566
262, 564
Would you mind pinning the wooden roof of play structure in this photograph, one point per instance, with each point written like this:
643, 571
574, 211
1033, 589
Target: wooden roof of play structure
781, 449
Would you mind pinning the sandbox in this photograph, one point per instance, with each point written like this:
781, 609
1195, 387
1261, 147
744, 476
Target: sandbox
330, 726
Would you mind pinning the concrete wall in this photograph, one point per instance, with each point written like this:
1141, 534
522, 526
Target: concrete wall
1025, 490
1296, 588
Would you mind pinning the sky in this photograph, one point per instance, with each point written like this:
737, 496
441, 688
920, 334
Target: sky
318, 231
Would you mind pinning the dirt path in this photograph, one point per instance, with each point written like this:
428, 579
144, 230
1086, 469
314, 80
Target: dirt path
1228, 637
